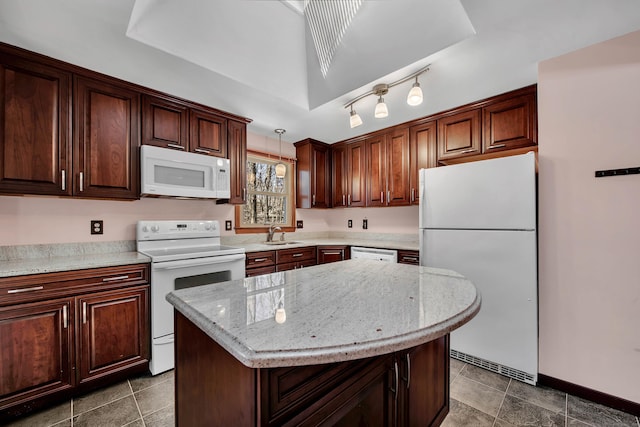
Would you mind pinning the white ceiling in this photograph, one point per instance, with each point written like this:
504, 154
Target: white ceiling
253, 57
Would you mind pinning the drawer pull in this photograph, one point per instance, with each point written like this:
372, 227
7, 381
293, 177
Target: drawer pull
496, 146
202, 150
409, 258
81, 181
468, 151
260, 259
313, 203
296, 255
64, 180
84, 312
179, 147
113, 279
413, 194
65, 317
333, 253
17, 291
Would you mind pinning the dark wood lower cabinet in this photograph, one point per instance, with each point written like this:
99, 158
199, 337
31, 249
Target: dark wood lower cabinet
405, 388
36, 348
65, 333
327, 254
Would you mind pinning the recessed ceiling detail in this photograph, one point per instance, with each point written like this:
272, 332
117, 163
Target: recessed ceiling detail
328, 21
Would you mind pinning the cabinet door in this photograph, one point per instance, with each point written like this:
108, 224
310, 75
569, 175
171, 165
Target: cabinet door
339, 175
510, 124
35, 350
424, 383
165, 123
398, 169
422, 154
208, 134
35, 146
320, 178
376, 157
459, 135
238, 162
313, 184
113, 331
327, 254
106, 140
356, 174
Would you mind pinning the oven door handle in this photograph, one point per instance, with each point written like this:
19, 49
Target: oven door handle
172, 265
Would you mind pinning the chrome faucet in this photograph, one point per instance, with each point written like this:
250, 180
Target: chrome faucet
272, 229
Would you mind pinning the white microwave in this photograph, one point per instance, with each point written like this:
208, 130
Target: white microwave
170, 173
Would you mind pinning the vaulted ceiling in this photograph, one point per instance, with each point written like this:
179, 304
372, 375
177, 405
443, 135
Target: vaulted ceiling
255, 58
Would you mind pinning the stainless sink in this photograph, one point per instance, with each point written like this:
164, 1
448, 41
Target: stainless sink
280, 242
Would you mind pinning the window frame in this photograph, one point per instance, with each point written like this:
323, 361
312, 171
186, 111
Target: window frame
291, 171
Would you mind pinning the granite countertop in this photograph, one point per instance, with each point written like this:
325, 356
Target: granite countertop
36, 259
295, 243
334, 312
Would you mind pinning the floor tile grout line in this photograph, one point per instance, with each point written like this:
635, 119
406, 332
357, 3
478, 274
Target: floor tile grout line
159, 409
136, 402
504, 396
71, 412
104, 404
566, 409
486, 385
152, 385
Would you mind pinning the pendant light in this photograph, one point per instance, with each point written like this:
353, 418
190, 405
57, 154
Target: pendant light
281, 169
415, 94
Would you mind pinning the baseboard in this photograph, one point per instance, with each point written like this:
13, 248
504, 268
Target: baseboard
590, 394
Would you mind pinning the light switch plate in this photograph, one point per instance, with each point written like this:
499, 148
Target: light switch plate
227, 225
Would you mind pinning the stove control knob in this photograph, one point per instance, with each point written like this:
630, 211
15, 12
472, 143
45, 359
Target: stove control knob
145, 228
155, 228
207, 226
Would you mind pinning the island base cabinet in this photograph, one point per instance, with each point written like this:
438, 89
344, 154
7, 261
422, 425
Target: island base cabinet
214, 388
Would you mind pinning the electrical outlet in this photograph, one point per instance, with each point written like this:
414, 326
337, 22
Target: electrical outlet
299, 223
227, 225
349, 223
365, 224
97, 226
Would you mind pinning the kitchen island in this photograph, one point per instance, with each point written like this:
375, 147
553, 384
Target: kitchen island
346, 343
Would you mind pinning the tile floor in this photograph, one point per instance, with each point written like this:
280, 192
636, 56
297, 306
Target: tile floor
478, 398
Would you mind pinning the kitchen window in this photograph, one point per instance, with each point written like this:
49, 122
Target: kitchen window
270, 200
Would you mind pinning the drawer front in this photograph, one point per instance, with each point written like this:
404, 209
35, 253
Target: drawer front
250, 272
36, 287
295, 265
409, 257
260, 259
296, 254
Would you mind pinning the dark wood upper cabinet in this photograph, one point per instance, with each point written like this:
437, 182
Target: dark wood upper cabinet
356, 174
339, 175
376, 172
165, 123
422, 155
510, 123
459, 134
237, 141
398, 167
208, 133
106, 140
313, 174
35, 127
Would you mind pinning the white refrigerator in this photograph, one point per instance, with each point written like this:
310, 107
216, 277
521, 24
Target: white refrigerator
479, 219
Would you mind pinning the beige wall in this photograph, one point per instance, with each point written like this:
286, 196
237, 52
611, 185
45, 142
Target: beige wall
589, 229
36, 220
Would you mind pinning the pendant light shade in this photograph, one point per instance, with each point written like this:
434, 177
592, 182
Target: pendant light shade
415, 95
355, 119
381, 110
281, 168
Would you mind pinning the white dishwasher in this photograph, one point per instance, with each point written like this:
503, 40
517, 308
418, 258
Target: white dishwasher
386, 255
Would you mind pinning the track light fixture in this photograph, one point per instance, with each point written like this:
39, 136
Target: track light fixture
381, 111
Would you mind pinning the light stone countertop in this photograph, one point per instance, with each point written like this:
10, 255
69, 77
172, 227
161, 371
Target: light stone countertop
35, 259
334, 312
